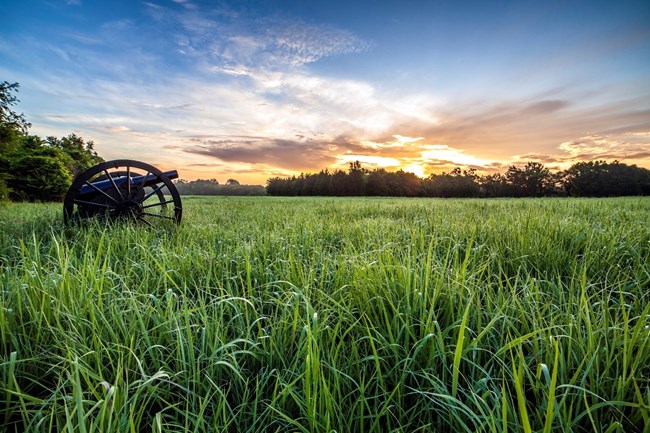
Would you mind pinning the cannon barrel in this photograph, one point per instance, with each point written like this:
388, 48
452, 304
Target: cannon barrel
151, 179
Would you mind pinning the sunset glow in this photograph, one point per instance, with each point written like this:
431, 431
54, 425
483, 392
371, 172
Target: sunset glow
457, 157
260, 89
373, 161
416, 168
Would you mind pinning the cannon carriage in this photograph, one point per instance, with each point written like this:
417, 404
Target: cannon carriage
123, 190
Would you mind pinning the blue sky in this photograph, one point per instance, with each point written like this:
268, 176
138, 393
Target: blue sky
254, 89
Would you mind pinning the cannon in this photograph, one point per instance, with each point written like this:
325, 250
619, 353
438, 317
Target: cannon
123, 189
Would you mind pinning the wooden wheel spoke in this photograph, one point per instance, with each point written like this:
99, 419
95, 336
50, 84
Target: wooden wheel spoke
141, 218
162, 203
159, 216
102, 192
128, 181
108, 175
144, 179
92, 203
155, 190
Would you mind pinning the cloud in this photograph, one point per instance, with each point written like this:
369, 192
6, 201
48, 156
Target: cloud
370, 160
605, 146
185, 3
232, 70
233, 40
300, 43
117, 128
294, 155
539, 157
631, 147
452, 155
544, 107
84, 39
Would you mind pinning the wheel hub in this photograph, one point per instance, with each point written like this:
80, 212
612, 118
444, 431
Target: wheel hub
129, 209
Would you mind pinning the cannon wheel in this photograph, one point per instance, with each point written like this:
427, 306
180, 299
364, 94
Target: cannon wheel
132, 200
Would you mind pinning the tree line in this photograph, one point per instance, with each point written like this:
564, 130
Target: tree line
34, 168
213, 187
582, 179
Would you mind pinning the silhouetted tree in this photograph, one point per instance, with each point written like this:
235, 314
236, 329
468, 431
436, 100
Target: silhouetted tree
377, 184
533, 180
323, 183
457, 183
356, 179
410, 184
602, 179
494, 185
274, 186
339, 183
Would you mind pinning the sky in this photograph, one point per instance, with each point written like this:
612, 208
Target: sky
257, 89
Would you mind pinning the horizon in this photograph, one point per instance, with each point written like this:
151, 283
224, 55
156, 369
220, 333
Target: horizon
253, 90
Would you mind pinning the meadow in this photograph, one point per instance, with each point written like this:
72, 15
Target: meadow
264, 314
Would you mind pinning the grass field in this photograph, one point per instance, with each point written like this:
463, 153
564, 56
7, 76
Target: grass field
320, 315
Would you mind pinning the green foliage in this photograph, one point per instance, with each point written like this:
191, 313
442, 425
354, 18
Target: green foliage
274, 314
4, 189
79, 155
10, 121
33, 169
12, 125
38, 176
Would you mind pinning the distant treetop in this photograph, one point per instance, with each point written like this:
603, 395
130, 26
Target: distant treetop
585, 179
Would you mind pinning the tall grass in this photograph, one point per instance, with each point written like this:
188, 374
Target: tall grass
320, 315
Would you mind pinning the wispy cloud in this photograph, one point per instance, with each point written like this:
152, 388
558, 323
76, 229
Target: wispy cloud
544, 107
607, 146
186, 3
224, 38
630, 147
289, 154
301, 43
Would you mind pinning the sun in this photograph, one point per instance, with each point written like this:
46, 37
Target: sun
415, 168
